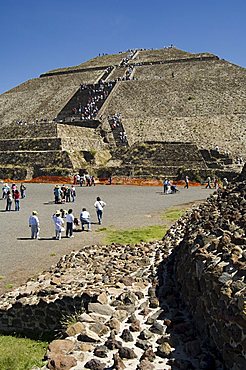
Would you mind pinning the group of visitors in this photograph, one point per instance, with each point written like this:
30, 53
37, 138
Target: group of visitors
215, 183
116, 126
64, 194
65, 221
169, 187
13, 194
96, 95
85, 179
114, 120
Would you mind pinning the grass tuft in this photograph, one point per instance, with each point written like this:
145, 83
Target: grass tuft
173, 214
135, 236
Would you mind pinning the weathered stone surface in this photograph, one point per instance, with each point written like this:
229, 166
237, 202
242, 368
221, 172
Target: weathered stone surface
101, 351
114, 324
118, 363
88, 336
127, 335
74, 329
164, 350
101, 309
61, 362
95, 365
127, 353
61, 345
145, 364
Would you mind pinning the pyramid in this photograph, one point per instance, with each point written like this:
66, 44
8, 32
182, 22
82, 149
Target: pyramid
85, 116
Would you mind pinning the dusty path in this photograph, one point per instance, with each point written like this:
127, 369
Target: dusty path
127, 207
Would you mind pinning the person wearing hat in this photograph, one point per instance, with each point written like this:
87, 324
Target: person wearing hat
34, 225
58, 221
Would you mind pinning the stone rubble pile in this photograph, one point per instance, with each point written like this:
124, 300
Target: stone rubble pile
209, 268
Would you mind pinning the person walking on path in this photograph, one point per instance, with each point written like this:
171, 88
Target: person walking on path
34, 225
58, 221
70, 221
99, 205
186, 182
17, 199
85, 219
9, 201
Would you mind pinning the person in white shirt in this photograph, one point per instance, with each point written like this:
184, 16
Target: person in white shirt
85, 219
70, 221
99, 205
58, 221
34, 225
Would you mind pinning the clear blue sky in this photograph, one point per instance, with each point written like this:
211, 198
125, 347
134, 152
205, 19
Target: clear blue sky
40, 35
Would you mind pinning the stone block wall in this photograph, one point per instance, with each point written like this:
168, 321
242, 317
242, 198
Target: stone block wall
205, 132
79, 138
36, 158
30, 144
16, 131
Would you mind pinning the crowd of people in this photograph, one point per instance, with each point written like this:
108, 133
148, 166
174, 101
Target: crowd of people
116, 126
85, 179
64, 194
97, 93
65, 221
12, 195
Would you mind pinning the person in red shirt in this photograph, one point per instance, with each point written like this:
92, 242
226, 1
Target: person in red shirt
17, 199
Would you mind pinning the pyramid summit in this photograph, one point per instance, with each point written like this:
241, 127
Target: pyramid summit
141, 112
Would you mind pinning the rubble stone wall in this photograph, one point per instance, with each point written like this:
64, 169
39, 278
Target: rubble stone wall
210, 271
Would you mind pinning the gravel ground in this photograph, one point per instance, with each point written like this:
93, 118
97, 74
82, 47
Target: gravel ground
127, 207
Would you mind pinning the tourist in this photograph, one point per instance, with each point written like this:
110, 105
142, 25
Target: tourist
13, 188
85, 219
165, 184
22, 191
225, 183
5, 190
58, 221
92, 181
216, 183
208, 182
70, 222
63, 213
68, 194
99, 205
17, 199
73, 193
9, 200
186, 182
58, 194
34, 225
